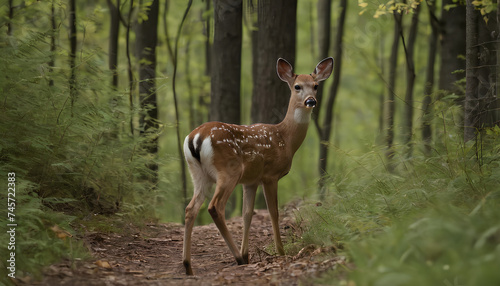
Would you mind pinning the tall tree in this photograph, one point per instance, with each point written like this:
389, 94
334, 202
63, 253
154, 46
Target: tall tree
114, 32
146, 41
326, 128
226, 62
276, 34
429, 78
410, 81
72, 53
11, 16
391, 103
130, 73
487, 30
452, 45
471, 92
53, 33
324, 31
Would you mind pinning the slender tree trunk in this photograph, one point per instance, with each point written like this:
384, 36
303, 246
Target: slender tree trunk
410, 83
52, 61
429, 80
226, 63
486, 70
208, 45
131, 79
497, 86
391, 103
72, 53
326, 129
324, 31
11, 17
176, 107
114, 32
471, 92
146, 41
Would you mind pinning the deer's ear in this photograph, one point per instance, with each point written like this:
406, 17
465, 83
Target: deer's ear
323, 70
285, 71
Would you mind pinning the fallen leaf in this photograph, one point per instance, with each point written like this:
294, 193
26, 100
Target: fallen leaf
60, 233
103, 264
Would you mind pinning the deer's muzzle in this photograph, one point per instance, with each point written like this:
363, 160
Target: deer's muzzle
310, 102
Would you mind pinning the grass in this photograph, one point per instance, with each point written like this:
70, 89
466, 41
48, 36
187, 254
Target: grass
433, 222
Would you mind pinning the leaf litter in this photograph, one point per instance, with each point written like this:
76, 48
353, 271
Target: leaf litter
153, 256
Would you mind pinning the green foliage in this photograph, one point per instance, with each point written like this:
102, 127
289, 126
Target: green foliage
434, 222
71, 160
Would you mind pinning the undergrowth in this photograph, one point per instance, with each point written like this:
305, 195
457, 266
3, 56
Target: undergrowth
72, 157
432, 222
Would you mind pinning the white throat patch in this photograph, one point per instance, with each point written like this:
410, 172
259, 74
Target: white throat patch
302, 115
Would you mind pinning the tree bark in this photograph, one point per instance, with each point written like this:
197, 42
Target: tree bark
114, 32
410, 83
226, 62
429, 79
275, 38
131, 79
452, 46
146, 41
486, 70
324, 31
326, 129
390, 104
52, 61
471, 62
72, 53
11, 16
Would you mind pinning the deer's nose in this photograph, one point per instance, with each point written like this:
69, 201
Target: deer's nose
310, 102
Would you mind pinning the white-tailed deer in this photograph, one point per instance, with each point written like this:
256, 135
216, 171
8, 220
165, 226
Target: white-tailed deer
258, 154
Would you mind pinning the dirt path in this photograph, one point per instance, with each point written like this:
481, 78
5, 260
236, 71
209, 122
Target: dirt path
153, 257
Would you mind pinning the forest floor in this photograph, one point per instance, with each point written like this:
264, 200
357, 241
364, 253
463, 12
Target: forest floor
151, 255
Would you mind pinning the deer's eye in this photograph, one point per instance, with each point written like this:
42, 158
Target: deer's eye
297, 87
315, 87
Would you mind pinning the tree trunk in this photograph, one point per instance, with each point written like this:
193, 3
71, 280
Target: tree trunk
52, 61
497, 85
226, 62
390, 104
131, 79
114, 31
326, 129
146, 41
410, 82
452, 46
72, 53
275, 38
486, 70
11, 16
324, 31
429, 80
471, 93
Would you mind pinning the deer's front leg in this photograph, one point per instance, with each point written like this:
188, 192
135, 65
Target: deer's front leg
271, 195
249, 192
216, 208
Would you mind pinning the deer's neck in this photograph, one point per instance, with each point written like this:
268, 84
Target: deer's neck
294, 126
